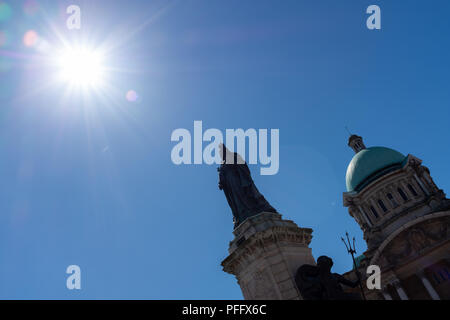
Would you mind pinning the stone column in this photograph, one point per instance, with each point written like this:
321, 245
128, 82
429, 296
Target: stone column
426, 283
386, 294
400, 291
265, 255
404, 186
396, 196
366, 217
424, 189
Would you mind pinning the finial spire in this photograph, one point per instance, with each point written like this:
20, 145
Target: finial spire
349, 133
356, 143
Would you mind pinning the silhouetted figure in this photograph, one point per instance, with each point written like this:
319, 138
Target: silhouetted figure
318, 283
236, 182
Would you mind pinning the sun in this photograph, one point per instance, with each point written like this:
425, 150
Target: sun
81, 67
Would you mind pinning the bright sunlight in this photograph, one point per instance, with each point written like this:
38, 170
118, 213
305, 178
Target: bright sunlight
80, 67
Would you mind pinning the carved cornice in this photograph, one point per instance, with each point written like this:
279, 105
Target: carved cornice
263, 241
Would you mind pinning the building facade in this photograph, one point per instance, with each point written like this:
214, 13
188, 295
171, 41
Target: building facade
405, 219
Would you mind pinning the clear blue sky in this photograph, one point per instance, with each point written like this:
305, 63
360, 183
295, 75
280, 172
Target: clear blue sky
88, 179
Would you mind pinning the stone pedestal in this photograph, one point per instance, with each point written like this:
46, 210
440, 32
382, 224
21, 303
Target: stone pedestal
265, 255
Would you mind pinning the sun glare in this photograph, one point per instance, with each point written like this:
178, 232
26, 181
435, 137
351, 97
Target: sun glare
80, 67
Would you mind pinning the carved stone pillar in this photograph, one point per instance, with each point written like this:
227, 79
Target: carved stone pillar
424, 189
426, 283
401, 293
386, 294
265, 255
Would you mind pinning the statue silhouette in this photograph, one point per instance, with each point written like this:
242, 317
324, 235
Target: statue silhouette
236, 182
318, 283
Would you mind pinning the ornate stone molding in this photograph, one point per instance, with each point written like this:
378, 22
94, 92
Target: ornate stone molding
258, 234
416, 238
265, 254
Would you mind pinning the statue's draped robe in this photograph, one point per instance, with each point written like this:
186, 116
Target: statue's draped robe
242, 195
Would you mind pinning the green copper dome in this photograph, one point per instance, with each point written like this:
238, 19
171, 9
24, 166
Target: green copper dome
369, 163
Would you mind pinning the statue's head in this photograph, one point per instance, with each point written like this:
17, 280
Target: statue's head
228, 156
324, 263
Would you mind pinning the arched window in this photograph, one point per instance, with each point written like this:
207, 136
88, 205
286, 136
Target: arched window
402, 194
375, 213
382, 206
392, 200
413, 191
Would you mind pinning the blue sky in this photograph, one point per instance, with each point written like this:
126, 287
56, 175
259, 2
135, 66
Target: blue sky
87, 178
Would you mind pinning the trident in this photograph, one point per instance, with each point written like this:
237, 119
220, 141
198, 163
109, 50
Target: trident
352, 250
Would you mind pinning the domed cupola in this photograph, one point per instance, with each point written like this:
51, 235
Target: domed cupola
386, 189
370, 163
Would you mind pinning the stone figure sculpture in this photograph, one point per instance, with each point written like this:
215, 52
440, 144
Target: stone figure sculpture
319, 283
236, 182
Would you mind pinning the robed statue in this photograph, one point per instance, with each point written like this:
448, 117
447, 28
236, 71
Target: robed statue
236, 182
319, 283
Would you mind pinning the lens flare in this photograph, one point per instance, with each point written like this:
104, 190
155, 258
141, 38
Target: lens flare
132, 96
5, 12
30, 38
